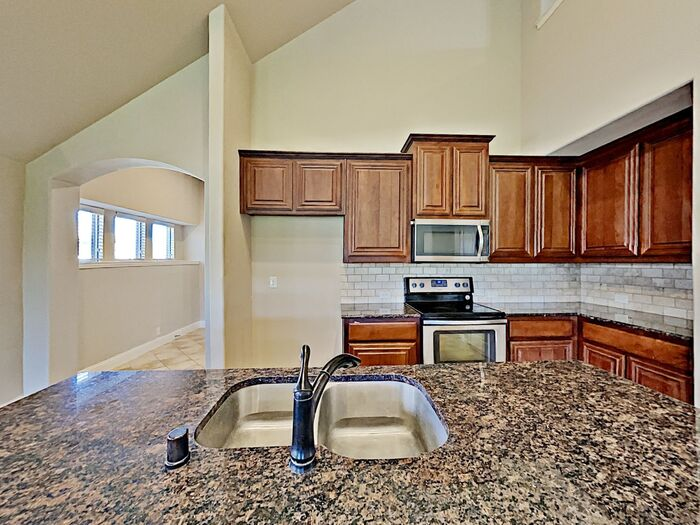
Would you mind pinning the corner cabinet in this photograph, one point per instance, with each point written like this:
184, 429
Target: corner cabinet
450, 176
609, 205
377, 223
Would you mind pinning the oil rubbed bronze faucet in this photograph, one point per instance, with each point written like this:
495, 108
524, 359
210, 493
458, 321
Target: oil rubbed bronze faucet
306, 398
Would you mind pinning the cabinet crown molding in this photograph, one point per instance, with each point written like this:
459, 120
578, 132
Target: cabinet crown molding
438, 137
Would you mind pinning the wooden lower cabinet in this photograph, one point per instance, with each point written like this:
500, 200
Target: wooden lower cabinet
660, 379
541, 338
521, 351
378, 341
610, 360
385, 352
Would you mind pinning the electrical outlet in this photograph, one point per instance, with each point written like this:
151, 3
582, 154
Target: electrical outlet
273, 281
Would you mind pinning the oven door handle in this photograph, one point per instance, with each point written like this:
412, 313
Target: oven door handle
470, 324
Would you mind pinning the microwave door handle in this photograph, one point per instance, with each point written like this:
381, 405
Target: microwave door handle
480, 236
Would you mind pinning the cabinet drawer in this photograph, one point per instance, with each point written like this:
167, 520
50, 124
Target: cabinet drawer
530, 328
660, 379
522, 351
382, 331
385, 353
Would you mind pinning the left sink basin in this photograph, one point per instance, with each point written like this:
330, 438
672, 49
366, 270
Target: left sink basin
258, 415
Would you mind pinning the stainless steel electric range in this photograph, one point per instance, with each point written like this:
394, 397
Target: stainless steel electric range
455, 328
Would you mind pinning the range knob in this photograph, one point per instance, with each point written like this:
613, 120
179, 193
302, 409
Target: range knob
464, 285
413, 285
422, 285
456, 285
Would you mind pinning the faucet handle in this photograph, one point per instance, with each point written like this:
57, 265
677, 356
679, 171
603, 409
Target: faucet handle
303, 383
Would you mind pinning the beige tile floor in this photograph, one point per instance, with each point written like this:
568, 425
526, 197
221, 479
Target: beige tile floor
184, 353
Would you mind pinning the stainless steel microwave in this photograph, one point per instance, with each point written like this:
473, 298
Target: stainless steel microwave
450, 240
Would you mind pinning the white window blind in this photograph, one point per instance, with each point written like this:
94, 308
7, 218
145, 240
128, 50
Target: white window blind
129, 238
163, 239
90, 234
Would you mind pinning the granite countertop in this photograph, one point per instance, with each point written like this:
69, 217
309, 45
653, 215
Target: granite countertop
359, 310
662, 324
548, 442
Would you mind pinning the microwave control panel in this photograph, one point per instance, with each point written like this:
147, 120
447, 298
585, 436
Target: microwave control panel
439, 284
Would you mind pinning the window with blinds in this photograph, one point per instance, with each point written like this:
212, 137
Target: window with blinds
90, 234
129, 238
163, 239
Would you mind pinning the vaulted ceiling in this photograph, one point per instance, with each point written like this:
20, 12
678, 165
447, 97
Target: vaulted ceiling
65, 64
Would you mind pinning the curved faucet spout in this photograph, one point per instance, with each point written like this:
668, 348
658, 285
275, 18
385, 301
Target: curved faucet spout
307, 396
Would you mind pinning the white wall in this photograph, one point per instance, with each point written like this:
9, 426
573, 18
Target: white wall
594, 61
11, 198
165, 193
366, 77
122, 308
306, 256
362, 80
165, 127
228, 250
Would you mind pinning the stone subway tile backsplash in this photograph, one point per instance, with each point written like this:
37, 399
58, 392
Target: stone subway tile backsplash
663, 289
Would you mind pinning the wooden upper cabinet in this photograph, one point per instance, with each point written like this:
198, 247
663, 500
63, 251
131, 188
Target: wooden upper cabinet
512, 187
555, 212
470, 180
609, 205
377, 221
433, 186
282, 184
266, 185
666, 196
318, 186
451, 175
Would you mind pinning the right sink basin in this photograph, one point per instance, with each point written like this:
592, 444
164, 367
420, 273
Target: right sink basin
378, 419
360, 417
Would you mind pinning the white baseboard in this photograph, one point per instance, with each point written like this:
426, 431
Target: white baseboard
5, 403
131, 354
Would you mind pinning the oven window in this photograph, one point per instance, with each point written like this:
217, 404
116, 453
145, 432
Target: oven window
464, 346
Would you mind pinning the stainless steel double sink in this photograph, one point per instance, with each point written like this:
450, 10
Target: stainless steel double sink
360, 417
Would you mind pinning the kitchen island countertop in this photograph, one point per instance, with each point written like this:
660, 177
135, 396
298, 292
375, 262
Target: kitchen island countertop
547, 442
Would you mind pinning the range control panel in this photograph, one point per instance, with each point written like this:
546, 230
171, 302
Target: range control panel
439, 284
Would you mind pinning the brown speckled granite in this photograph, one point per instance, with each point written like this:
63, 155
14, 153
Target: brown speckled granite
359, 310
549, 442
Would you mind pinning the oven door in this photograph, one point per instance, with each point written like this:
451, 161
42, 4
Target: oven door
464, 341
453, 240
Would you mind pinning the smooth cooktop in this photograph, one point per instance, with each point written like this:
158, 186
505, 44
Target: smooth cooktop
455, 310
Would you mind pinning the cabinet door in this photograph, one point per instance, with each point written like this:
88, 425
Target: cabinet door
470, 180
605, 358
521, 351
433, 180
555, 212
318, 186
376, 222
511, 220
666, 190
267, 185
385, 353
609, 206
660, 379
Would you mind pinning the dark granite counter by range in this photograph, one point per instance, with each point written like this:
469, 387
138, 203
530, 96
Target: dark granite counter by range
389, 310
662, 324
548, 442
